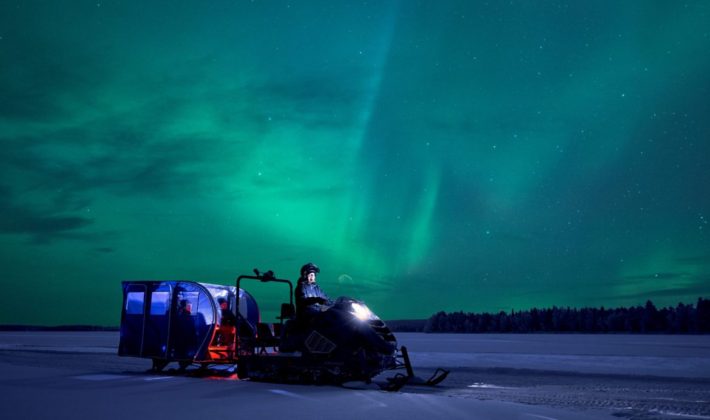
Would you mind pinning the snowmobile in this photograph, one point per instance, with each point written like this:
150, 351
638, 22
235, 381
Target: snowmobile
198, 323
345, 342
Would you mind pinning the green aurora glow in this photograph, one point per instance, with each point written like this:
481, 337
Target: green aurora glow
455, 155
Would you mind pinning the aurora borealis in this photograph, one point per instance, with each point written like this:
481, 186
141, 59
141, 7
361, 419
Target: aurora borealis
455, 155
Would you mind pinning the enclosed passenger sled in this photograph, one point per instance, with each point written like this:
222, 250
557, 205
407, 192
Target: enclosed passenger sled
209, 325
183, 322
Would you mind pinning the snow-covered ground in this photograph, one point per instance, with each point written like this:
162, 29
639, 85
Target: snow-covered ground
494, 376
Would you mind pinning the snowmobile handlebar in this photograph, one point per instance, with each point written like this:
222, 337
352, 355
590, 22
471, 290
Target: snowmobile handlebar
269, 276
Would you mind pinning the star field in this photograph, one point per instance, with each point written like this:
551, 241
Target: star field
455, 155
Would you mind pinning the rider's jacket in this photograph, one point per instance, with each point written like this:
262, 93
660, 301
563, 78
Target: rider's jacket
309, 298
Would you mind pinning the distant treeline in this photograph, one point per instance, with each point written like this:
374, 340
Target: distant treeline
407, 325
683, 319
56, 328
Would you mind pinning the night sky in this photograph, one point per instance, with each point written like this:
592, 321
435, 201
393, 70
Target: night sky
427, 155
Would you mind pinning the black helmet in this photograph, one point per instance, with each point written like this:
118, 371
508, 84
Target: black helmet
309, 268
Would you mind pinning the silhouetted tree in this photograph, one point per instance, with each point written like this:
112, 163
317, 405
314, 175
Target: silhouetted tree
702, 314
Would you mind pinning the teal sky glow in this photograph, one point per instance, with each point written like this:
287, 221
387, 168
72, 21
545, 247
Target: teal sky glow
449, 155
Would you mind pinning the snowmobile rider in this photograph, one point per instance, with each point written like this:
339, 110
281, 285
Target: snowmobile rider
310, 299
228, 318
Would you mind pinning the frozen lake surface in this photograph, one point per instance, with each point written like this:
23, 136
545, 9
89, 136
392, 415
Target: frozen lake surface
494, 376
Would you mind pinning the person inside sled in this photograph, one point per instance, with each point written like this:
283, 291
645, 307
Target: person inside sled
228, 317
228, 324
184, 308
310, 299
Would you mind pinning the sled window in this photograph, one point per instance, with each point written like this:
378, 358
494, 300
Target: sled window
159, 303
134, 303
191, 302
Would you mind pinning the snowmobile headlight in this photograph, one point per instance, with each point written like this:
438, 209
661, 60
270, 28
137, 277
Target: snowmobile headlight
361, 312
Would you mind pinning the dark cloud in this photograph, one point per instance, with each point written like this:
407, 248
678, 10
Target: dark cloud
326, 100
313, 92
695, 260
657, 276
701, 289
36, 86
156, 167
39, 226
64, 185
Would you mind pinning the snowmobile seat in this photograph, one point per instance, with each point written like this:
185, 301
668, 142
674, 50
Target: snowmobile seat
288, 315
265, 337
287, 312
278, 330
